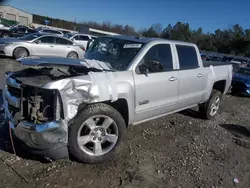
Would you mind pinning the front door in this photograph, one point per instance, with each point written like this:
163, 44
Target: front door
156, 83
44, 46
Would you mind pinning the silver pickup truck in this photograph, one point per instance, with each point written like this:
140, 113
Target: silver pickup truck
58, 107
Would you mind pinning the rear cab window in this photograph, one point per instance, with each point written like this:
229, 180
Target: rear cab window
188, 58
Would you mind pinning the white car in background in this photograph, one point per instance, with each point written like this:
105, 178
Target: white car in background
81, 39
38, 44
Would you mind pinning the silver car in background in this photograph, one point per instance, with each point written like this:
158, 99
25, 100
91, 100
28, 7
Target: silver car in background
40, 45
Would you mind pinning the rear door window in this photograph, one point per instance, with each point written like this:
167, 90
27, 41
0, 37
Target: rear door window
85, 38
81, 37
48, 40
188, 58
63, 41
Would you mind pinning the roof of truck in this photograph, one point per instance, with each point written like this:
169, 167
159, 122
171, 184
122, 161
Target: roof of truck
146, 39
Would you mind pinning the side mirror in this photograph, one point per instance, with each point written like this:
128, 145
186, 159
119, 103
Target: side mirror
37, 41
143, 69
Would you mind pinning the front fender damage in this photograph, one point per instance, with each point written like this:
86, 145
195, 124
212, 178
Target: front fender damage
50, 139
97, 87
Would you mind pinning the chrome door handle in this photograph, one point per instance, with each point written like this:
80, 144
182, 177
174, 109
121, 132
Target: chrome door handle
51, 46
199, 75
172, 79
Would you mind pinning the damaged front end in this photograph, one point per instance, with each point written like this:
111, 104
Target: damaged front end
36, 117
41, 102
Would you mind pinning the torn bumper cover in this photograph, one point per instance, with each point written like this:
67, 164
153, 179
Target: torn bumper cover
39, 117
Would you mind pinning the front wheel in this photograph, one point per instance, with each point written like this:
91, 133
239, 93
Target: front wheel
20, 52
209, 109
96, 133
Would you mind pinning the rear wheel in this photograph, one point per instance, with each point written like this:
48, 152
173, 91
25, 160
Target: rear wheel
96, 133
72, 55
20, 53
209, 109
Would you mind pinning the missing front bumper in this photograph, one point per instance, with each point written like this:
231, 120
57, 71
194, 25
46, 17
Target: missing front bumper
50, 143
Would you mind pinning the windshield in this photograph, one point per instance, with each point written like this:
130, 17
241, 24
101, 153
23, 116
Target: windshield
117, 53
244, 71
30, 36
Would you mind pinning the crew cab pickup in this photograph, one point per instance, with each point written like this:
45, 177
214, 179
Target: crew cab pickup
56, 106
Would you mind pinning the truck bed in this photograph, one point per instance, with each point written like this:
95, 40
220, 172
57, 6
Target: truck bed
214, 63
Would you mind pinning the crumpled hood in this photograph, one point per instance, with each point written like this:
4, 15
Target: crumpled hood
56, 61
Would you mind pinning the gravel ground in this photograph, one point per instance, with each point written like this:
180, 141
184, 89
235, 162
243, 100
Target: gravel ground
177, 151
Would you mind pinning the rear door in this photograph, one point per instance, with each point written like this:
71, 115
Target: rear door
44, 46
156, 91
62, 47
192, 78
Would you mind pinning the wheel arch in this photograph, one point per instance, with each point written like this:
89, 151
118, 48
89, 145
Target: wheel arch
72, 51
220, 86
20, 47
121, 105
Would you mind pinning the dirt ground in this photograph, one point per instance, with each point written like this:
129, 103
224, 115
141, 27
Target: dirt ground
177, 151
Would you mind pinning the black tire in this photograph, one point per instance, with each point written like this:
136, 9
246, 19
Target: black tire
85, 114
72, 55
205, 108
20, 52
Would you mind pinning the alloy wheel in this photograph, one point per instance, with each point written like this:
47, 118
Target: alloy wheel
97, 135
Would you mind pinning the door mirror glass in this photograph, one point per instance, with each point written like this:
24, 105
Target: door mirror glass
144, 69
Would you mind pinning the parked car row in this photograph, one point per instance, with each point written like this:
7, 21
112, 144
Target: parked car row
236, 62
21, 41
38, 44
18, 31
241, 81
